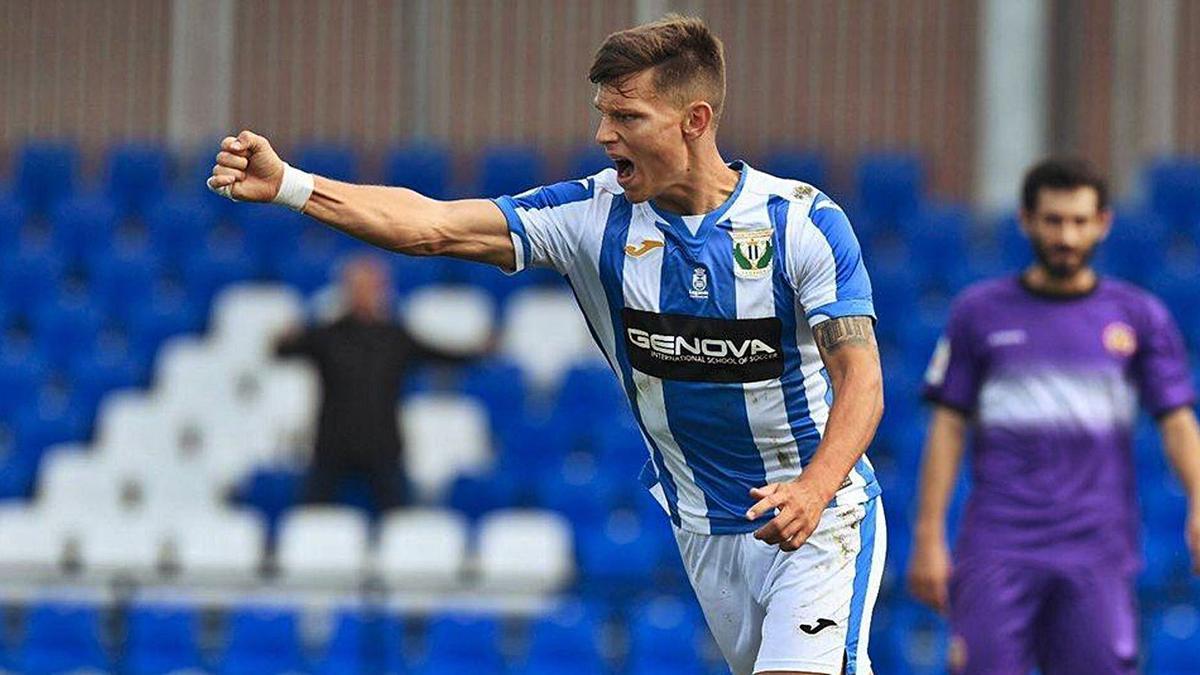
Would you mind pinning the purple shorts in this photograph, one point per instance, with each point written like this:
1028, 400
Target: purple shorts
1007, 617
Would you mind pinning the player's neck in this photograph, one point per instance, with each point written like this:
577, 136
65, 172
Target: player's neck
1038, 280
705, 185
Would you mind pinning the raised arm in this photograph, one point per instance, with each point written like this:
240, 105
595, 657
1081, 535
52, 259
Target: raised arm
1181, 443
851, 358
929, 568
393, 218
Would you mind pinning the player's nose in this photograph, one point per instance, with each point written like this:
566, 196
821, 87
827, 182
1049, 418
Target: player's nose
604, 133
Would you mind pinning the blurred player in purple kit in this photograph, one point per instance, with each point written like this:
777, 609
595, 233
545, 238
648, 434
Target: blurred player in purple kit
1046, 371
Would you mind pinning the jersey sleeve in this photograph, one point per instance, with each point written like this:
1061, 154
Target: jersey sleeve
1161, 363
826, 267
544, 223
956, 369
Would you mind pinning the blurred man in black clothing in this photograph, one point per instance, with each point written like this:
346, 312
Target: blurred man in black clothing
362, 359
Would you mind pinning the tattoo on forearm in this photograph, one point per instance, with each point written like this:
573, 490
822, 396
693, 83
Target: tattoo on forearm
834, 334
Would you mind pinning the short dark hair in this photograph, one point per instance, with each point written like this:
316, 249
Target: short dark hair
688, 59
1062, 173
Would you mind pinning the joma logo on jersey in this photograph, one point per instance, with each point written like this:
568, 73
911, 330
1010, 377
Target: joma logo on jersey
677, 345
703, 349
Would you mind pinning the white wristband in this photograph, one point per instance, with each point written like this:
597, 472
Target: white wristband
296, 188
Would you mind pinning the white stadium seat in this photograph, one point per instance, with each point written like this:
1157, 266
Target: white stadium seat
286, 407
130, 422
422, 549
456, 319
80, 486
123, 546
323, 545
444, 436
31, 547
247, 318
224, 546
545, 334
525, 550
190, 370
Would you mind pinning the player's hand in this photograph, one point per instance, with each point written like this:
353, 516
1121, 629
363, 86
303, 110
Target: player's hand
929, 573
1193, 537
799, 510
247, 169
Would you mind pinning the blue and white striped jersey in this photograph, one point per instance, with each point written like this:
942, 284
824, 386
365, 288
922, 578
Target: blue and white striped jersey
707, 321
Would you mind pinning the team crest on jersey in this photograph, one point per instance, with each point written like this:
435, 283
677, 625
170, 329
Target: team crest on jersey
1119, 339
699, 284
753, 251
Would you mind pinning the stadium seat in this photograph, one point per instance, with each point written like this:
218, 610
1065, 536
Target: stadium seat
45, 421
891, 186
210, 268
443, 436
1136, 236
95, 375
348, 649
178, 227
424, 168
567, 639
580, 490
500, 384
544, 333
323, 546
591, 395
82, 226
663, 637
46, 173
937, 241
12, 221
456, 319
167, 314
1174, 190
130, 424
625, 550
587, 161
455, 641
127, 548
61, 637
1174, 640
248, 318
509, 171
123, 278
237, 560
80, 489
162, 638
422, 549
620, 448
810, 167
66, 326
137, 173
271, 234
28, 276
525, 550
476, 494
262, 640
285, 408
330, 161
1176, 285
33, 548
22, 372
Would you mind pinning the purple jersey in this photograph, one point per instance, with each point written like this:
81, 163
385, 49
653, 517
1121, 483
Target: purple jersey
1052, 387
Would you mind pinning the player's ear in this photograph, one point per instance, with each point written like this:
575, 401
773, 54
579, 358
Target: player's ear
697, 119
1106, 220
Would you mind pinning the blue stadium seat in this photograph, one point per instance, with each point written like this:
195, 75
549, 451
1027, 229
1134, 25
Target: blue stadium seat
96, 374
271, 492
168, 313
330, 161
623, 550
509, 171
891, 186
83, 225
663, 637
16, 480
620, 447
394, 638
577, 487
46, 421
12, 220
1174, 190
178, 226
123, 279
271, 234
28, 277
588, 161
61, 637
565, 640
137, 173
462, 643
46, 172
162, 639
1176, 283
1137, 236
348, 649
590, 392
475, 495
22, 372
807, 166
424, 168
937, 240
1165, 560
1174, 641
207, 270
262, 641
65, 326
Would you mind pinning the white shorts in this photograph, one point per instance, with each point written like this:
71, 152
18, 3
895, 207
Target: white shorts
808, 610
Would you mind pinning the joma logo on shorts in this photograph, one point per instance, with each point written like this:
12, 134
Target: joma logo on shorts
677, 345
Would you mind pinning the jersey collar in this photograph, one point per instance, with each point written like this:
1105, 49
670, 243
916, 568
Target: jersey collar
673, 226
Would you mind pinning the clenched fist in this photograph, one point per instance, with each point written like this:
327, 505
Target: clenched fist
247, 169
